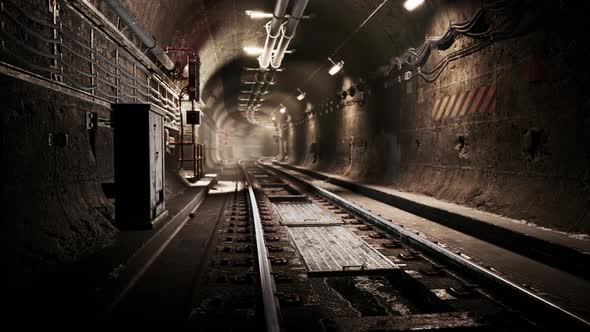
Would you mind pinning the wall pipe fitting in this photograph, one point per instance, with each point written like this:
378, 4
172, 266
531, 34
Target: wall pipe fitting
289, 31
273, 29
146, 38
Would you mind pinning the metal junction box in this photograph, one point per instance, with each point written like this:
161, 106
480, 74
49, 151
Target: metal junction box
193, 117
139, 165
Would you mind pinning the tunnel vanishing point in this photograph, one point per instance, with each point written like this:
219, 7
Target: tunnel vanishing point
295, 165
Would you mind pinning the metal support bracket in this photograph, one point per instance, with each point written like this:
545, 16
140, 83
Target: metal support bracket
93, 121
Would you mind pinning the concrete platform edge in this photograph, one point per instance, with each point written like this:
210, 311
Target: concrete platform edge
136, 264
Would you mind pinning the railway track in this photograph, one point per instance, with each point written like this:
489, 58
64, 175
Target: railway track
335, 266
283, 255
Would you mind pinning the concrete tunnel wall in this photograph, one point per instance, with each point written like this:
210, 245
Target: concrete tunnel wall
59, 212
57, 209
528, 159
524, 154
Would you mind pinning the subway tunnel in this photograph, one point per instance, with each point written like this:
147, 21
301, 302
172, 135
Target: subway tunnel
288, 165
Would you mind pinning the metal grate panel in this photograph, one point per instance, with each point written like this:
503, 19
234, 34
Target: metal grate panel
327, 250
304, 214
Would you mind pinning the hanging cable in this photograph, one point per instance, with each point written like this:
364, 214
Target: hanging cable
475, 28
349, 37
343, 43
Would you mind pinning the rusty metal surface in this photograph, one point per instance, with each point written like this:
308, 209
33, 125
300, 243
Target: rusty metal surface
336, 249
304, 214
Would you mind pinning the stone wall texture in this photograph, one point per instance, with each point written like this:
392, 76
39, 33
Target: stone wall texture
59, 198
57, 211
521, 152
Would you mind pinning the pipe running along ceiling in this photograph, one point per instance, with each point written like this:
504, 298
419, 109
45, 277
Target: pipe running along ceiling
219, 30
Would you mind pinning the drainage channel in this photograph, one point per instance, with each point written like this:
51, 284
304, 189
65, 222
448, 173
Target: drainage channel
437, 273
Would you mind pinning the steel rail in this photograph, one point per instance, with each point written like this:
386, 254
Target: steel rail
269, 300
520, 293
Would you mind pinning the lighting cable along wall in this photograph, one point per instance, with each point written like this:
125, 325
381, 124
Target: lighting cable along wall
48, 44
410, 63
476, 28
272, 54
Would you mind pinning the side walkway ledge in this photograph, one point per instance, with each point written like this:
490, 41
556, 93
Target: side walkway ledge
151, 243
549, 247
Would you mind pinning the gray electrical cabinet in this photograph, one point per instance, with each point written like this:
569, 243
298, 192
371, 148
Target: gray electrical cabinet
138, 131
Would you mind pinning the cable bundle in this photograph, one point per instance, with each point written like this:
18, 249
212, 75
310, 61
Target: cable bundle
475, 28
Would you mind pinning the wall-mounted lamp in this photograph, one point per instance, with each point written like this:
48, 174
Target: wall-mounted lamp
274, 118
300, 94
282, 109
410, 5
336, 67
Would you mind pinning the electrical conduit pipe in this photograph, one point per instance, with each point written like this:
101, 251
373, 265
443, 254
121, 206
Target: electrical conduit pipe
145, 37
289, 32
273, 30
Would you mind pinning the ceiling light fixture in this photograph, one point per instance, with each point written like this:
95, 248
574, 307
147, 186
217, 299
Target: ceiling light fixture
283, 109
300, 95
336, 67
410, 5
254, 14
253, 50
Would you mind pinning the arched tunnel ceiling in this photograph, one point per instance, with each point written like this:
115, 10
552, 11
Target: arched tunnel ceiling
219, 29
